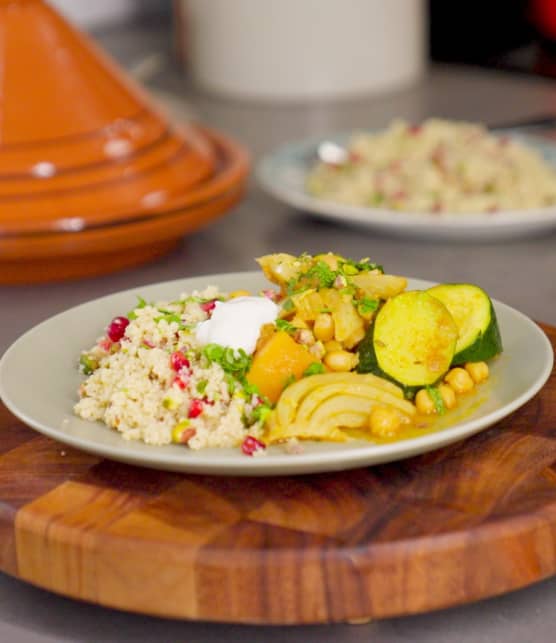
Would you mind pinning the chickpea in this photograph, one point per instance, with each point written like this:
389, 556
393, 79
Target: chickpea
424, 402
332, 345
317, 350
340, 361
448, 396
478, 371
182, 432
304, 336
324, 327
239, 293
460, 380
384, 421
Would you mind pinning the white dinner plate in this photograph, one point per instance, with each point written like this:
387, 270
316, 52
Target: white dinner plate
39, 379
283, 174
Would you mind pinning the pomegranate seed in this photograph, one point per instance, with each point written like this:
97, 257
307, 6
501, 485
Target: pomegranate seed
271, 294
178, 381
251, 444
415, 130
105, 344
195, 408
116, 328
208, 306
187, 435
178, 361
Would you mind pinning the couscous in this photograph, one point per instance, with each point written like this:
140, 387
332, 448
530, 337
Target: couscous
439, 166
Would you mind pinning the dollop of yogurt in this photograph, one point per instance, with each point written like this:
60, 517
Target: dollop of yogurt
237, 323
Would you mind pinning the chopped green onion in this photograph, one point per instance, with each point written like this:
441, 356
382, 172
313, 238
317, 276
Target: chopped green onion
288, 305
313, 369
285, 325
289, 380
367, 305
437, 399
261, 413
234, 362
88, 364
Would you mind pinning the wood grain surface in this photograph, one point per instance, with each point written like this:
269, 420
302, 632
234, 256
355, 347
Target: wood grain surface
462, 523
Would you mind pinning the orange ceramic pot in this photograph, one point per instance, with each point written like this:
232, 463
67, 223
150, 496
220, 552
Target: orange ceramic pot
80, 143
34, 258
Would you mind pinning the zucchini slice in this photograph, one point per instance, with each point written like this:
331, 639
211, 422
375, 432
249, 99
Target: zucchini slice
412, 341
472, 310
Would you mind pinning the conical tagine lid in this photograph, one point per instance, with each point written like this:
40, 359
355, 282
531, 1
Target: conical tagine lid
80, 144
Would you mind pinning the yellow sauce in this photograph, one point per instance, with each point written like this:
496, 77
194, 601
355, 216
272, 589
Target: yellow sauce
421, 425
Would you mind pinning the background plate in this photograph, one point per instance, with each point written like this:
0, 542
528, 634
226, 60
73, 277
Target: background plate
39, 380
283, 175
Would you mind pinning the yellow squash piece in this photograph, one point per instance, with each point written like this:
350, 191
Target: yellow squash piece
377, 285
280, 267
347, 322
278, 360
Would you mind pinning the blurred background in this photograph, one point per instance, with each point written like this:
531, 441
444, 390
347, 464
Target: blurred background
516, 35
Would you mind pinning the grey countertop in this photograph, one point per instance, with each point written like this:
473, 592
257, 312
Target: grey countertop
520, 273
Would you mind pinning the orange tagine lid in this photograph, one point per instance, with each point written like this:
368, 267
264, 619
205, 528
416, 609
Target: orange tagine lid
93, 177
80, 144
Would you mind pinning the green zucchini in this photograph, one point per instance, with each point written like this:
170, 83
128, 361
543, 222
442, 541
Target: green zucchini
472, 310
411, 341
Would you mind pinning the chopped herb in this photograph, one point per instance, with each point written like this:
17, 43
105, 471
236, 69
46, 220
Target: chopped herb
283, 324
319, 275
88, 364
377, 198
261, 413
367, 305
437, 399
234, 362
169, 318
349, 267
141, 303
288, 305
231, 383
289, 380
202, 386
349, 290
252, 389
313, 369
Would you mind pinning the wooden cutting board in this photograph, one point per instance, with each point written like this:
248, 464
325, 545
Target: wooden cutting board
459, 524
